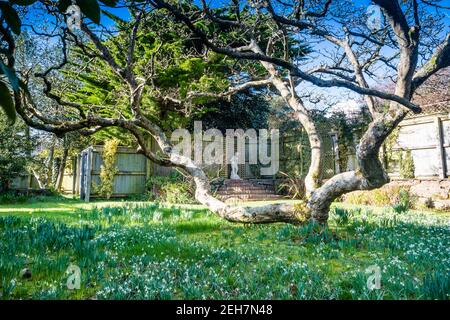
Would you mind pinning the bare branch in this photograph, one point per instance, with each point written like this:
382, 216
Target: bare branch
430, 3
439, 60
105, 53
294, 70
231, 90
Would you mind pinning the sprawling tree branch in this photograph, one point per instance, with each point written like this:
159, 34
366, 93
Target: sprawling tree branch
439, 60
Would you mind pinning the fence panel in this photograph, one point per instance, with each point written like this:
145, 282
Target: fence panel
130, 178
428, 138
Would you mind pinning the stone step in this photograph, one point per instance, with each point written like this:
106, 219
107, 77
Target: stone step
248, 184
248, 194
244, 192
252, 197
242, 185
247, 190
243, 182
237, 188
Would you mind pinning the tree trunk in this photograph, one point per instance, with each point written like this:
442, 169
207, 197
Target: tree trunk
370, 175
4, 185
61, 169
42, 181
50, 158
313, 178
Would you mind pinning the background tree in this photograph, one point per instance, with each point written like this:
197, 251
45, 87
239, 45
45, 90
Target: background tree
10, 23
435, 90
15, 151
245, 110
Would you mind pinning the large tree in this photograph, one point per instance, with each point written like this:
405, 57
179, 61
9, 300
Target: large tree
263, 37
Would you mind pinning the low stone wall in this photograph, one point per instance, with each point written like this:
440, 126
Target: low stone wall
436, 189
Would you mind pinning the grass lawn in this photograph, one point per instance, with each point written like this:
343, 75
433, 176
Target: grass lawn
137, 250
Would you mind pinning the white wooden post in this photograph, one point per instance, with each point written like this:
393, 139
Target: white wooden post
440, 147
74, 175
334, 139
79, 172
88, 180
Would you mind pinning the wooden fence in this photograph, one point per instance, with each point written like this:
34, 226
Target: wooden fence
295, 153
428, 138
26, 181
133, 171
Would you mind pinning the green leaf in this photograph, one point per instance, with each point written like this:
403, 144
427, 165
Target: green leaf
91, 9
63, 5
23, 2
109, 3
12, 77
6, 102
11, 17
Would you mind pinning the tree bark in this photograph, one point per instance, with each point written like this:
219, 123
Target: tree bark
42, 184
370, 174
61, 169
50, 158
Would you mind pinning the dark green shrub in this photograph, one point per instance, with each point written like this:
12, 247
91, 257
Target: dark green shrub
399, 208
407, 165
16, 145
12, 197
29, 196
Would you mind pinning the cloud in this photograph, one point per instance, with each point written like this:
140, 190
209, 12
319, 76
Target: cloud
349, 107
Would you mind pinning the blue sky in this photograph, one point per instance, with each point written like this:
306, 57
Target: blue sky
336, 94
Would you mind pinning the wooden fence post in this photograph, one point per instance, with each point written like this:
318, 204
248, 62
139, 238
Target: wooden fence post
334, 139
78, 175
30, 181
88, 174
440, 147
74, 175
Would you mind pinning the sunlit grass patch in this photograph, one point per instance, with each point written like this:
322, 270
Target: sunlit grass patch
137, 250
